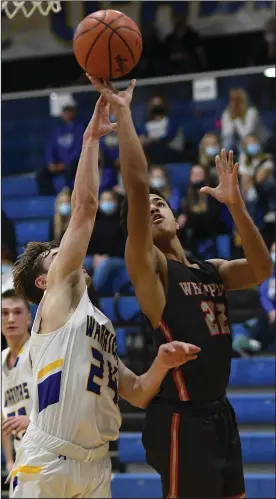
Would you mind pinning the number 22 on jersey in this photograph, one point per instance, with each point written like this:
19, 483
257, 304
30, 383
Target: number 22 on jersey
97, 371
215, 317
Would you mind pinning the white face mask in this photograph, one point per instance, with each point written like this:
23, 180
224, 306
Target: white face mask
157, 182
269, 37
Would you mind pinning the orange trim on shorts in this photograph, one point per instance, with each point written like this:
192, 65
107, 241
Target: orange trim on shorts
238, 496
173, 488
177, 373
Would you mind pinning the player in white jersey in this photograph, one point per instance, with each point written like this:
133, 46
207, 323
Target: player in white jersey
17, 377
64, 452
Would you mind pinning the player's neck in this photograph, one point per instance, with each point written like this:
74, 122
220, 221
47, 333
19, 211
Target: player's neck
15, 344
174, 251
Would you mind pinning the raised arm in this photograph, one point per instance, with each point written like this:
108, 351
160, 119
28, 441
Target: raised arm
257, 266
141, 254
84, 201
140, 390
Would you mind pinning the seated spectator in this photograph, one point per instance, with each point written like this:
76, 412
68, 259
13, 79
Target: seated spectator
201, 215
107, 243
159, 180
62, 215
62, 151
209, 147
183, 48
162, 137
239, 120
256, 169
109, 147
265, 329
8, 238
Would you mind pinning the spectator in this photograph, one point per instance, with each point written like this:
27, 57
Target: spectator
109, 147
162, 137
62, 151
8, 238
265, 329
183, 48
209, 147
62, 215
159, 180
239, 120
107, 242
257, 182
201, 217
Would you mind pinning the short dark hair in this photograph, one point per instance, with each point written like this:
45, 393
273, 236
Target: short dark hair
10, 293
28, 266
124, 209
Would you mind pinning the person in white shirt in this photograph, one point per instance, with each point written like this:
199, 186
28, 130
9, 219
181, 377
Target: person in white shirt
240, 119
17, 378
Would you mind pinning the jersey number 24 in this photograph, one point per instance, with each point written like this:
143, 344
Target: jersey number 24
215, 317
97, 371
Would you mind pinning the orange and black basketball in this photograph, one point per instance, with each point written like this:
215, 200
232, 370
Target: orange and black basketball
107, 44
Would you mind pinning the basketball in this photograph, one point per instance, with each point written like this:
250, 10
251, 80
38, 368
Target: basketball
107, 44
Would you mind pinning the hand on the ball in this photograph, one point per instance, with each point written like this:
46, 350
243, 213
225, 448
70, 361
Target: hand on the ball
227, 191
111, 95
100, 124
176, 353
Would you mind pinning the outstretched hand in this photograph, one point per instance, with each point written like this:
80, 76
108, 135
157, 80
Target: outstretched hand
176, 353
111, 95
100, 124
227, 191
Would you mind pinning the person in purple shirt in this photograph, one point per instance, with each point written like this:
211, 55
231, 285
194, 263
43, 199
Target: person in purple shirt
62, 151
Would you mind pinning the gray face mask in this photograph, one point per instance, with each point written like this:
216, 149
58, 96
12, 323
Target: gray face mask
157, 182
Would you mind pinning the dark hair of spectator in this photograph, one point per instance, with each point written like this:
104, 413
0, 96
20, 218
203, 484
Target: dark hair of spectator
10, 293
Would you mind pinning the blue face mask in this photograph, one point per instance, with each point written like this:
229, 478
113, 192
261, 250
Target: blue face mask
253, 149
273, 257
211, 151
64, 209
107, 207
5, 267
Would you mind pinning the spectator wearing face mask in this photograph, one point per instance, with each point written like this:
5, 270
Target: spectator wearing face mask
62, 215
107, 243
201, 215
159, 180
162, 137
109, 148
62, 151
209, 147
256, 169
265, 329
239, 120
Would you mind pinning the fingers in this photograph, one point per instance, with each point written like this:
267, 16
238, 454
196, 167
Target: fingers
180, 345
193, 348
131, 86
230, 162
207, 190
236, 170
114, 127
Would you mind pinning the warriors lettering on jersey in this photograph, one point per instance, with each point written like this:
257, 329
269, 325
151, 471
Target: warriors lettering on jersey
197, 288
16, 394
105, 338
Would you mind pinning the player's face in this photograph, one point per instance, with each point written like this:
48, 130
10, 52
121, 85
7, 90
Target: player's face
16, 318
163, 222
47, 262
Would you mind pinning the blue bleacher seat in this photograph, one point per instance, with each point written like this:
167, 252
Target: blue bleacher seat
257, 447
259, 371
179, 175
29, 208
33, 310
224, 246
144, 485
128, 309
253, 408
19, 185
58, 182
32, 231
121, 341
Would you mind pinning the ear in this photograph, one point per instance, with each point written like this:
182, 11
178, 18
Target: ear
41, 282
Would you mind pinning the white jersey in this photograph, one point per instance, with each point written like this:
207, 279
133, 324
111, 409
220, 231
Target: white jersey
17, 385
76, 378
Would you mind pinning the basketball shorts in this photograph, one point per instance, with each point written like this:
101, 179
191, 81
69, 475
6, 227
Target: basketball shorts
40, 473
195, 449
